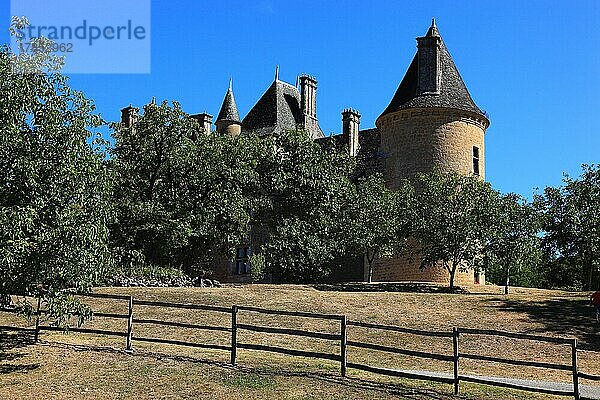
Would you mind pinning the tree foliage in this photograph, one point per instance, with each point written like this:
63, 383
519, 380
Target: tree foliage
515, 248
304, 187
454, 220
53, 204
376, 219
571, 225
181, 193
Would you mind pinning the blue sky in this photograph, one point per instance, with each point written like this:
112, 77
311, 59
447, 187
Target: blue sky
532, 65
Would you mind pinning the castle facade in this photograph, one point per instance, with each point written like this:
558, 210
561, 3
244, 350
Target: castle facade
431, 122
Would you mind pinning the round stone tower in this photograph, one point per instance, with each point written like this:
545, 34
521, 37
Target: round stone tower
228, 121
431, 122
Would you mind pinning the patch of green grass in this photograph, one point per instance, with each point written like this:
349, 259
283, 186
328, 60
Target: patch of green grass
250, 381
328, 367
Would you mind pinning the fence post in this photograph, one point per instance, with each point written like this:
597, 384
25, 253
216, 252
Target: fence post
129, 324
343, 340
234, 311
575, 373
37, 320
455, 334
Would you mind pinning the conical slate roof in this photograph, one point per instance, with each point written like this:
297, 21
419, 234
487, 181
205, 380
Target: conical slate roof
229, 110
452, 91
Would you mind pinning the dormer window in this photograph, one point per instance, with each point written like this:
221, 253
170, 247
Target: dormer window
476, 160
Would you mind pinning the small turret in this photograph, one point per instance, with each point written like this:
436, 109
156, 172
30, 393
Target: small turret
204, 120
228, 121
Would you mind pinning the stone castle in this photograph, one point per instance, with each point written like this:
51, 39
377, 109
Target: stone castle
431, 122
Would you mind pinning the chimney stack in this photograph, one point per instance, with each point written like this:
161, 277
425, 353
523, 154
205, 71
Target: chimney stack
129, 116
308, 97
428, 57
205, 121
350, 129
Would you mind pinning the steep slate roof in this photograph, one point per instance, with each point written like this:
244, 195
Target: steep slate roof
277, 110
453, 92
229, 110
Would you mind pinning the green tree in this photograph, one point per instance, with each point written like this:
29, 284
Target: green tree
571, 225
454, 220
181, 193
304, 186
516, 246
53, 187
377, 220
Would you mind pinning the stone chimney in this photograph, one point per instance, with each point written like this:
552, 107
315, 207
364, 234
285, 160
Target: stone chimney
308, 98
129, 116
428, 57
350, 129
205, 121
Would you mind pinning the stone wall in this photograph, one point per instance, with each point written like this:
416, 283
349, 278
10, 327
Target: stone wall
418, 140
402, 269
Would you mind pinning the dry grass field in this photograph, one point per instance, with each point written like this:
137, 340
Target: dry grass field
82, 366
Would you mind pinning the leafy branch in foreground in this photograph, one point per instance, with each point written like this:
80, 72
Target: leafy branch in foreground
53, 186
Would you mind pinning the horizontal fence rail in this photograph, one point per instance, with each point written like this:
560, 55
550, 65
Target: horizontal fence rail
181, 325
589, 377
285, 331
291, 352
396, 350
522, 336
414, 353
96, 314
340, 337
512, 335
559, 367
201, 307
105, 296
401, 329
291, 313
182, 343
400, 374
83, 330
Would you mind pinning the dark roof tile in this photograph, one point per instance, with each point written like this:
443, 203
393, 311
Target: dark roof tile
452, 94
229, 110
277, 110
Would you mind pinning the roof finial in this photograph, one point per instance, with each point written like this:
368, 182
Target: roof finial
153, 100
230, 83
433, 30
277, 72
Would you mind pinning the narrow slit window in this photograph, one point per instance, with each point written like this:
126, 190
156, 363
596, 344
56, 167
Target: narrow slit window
475, 160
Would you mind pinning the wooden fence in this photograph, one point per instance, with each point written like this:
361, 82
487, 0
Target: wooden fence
340, 337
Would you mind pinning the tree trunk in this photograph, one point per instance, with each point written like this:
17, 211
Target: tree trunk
507, 282
370, 262
590, 275
452, 272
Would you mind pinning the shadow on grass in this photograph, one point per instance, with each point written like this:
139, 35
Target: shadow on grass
559, 317
268, 374
10, 342
406, 287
